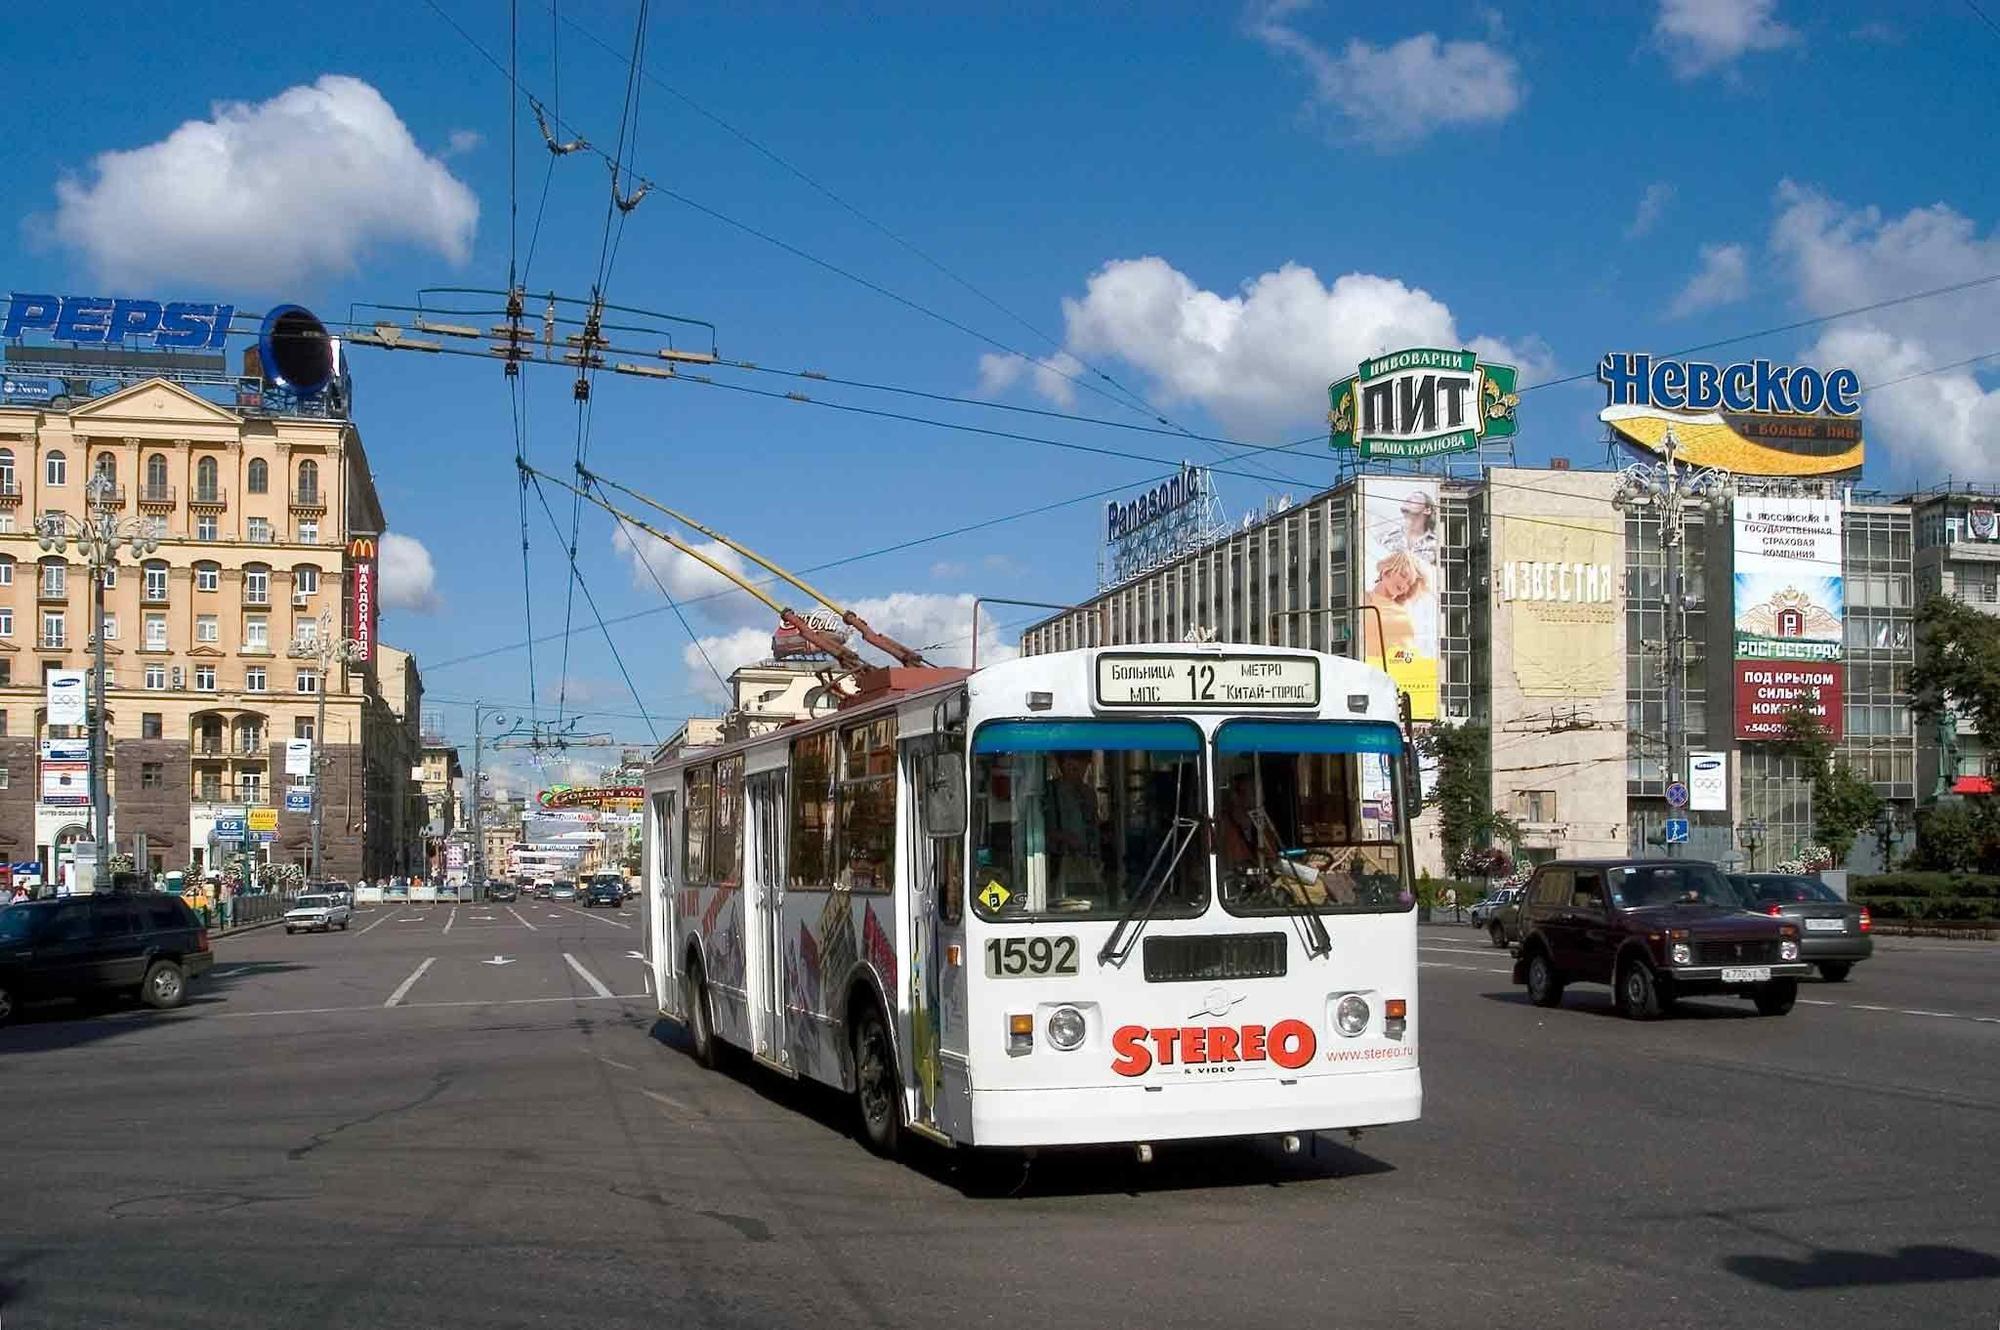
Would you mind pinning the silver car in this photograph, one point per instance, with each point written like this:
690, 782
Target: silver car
1834, 934
318, 914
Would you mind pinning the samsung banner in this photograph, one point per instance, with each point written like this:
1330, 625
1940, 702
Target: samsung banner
66, 699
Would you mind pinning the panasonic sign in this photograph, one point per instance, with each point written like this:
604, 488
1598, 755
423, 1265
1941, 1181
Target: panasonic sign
1122, 519
1749, 386
101, 321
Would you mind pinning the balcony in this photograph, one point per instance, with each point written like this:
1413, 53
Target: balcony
309, 500
204, 747
156, 496
111, 496
209, 499
10, 492
54, 642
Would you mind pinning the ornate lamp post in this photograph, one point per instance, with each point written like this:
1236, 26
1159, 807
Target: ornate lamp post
1750, 835
98, 538
326, 650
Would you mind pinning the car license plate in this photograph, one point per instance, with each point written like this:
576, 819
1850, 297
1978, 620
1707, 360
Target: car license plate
1746, 974
1825, 925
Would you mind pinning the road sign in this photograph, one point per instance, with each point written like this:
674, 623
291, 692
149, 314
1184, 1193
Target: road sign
229, 828
265, 837
1677, 794
298, 801
1676, 831
263, 819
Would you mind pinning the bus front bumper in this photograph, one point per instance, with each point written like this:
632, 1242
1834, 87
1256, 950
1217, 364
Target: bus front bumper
1195, 1108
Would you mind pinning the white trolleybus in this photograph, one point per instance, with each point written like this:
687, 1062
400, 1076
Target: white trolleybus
1103, 896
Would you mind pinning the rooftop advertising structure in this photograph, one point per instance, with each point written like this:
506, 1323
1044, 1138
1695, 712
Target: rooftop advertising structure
1753, 417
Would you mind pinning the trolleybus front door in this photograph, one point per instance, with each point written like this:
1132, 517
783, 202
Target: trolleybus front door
936, 936
767, 941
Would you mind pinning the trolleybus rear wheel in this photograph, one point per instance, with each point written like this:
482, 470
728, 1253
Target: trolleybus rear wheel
875, 1088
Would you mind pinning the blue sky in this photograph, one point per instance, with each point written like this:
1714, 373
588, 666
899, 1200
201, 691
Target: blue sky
1174, 172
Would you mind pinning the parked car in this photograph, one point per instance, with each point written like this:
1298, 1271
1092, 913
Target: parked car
1835, 934
502, 891
562, 889
1655, 930
1488, 914
147, 945
341, 891
318, 914
604, 891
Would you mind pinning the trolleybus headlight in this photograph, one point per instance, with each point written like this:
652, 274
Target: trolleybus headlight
1788, 950
1683, 954
1066, 1028
1350, 1014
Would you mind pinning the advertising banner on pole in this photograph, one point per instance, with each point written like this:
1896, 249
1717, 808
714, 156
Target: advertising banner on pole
262, 819
1399, 576
66, 701
1708, 782
298, 757
361, 553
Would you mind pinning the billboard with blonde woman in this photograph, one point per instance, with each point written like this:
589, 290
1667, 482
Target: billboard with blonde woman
1401, 532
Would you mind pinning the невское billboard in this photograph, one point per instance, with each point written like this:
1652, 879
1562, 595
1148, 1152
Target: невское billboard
1790, 609
1399, 576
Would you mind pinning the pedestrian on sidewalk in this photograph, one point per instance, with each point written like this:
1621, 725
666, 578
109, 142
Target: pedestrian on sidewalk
1450, 902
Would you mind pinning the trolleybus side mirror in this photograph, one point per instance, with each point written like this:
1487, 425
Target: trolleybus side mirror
944, 796
1413, 779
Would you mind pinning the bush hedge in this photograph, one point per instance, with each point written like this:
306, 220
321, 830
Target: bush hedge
1926, 886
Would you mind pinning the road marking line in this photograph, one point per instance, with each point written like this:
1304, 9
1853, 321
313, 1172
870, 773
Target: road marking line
596, 984
451, 919
517, 914
233, 969
379, 922
614, 1062
1446, 965
593, 915
421, 1006
410, 983
670, 1102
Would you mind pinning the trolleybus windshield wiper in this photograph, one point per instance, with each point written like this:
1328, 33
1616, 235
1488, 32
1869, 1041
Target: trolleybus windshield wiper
1178, 838
1318, 942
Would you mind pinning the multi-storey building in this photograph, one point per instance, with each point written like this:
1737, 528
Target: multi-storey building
212, 644
1957, 555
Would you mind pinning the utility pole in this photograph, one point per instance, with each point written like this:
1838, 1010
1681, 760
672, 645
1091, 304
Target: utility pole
327, 649
1672, 488
98, 537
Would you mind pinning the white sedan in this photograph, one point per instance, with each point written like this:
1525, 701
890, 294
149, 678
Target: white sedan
318, 914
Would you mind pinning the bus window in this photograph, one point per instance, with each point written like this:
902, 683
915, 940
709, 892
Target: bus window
1069, 818
867, 804
727, 864
694, 853
812, 811
938, 778
1306, 815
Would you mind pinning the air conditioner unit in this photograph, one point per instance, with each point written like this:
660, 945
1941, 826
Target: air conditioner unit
300, 600
178, 677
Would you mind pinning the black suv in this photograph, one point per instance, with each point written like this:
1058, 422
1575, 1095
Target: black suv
604, 892
112, 944
1655, 930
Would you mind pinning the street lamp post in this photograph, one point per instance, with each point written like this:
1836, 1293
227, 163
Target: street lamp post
99, 536
327, 650
1750, 835
1671, 488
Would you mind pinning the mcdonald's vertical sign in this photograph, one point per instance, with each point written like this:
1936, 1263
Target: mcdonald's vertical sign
361, 626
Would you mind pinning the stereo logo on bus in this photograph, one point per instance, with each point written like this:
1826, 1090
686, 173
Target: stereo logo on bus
1204, 1048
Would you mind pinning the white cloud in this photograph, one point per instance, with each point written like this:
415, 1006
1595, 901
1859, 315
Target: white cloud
727, 652
1700, 35
1652, 206
1723, 278
1054, 375
1262, 358
944, 570
409, 582
1839, 257
461, 141
713, 596
1394, 96
265, 197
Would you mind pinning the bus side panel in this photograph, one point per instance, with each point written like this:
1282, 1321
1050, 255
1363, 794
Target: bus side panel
664, 929
828, 934
721, 926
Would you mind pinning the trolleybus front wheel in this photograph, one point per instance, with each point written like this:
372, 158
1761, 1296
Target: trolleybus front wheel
700, 1022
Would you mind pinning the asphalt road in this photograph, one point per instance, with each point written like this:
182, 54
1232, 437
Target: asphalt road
386, 1128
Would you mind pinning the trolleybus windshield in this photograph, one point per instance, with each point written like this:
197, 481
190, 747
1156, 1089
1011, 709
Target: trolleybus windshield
1068, 816
1306, 816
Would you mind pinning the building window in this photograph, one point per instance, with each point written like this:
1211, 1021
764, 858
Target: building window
156, 580
156, 477
6, 671
302, 727
53, 635
207, 576
6, 570
152, 775
253, 679
149, 725
256, 633
110, 577
1537, 805
211, 787
260, 531
307, 681
305, 580
204, 678
205, 490
309, 530
259, 479
7, 472
309, 481
156, 677
3, 775
256, 585
253, 787
204, 527
110, 628
55, 470
55, 577
207, 628
156, 632
305, 632
6, 622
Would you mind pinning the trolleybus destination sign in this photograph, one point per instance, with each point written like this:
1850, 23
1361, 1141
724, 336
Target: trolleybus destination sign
1144, 680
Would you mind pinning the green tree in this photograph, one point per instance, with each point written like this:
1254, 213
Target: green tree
1843, 803
1958, 663
1949, 838
1464, 792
